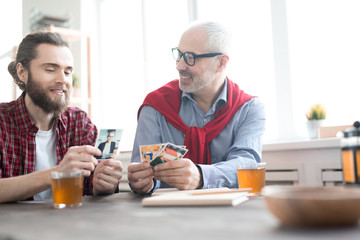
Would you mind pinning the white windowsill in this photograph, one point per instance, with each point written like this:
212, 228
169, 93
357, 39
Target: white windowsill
303, 144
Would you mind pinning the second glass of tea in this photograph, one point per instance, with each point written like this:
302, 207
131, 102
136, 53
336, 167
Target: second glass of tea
252, 178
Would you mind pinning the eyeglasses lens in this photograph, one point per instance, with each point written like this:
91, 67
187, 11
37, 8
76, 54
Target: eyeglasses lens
189, 58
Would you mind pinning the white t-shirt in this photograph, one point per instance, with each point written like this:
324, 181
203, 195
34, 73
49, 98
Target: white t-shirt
107, 148
45, 157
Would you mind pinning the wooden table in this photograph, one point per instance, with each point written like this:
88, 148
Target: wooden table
121, 216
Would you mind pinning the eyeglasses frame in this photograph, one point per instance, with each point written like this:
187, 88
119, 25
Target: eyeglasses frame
205, 55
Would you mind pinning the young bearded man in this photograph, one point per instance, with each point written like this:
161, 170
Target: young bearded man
40, 133
204, 110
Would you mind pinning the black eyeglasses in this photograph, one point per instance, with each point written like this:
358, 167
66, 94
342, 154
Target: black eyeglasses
189, 57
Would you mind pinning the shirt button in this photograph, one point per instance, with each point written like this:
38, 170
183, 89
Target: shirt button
205, 120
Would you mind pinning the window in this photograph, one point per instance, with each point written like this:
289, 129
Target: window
291, 54
324, 48
12, 31
251, 63
136, 41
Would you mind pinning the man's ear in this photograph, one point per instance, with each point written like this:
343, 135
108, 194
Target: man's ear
22, 72
223, 61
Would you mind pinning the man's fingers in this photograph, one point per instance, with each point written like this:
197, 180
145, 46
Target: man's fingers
109, 176
115, 164
89, 166
109, 171
78, 156
105, 184
180, 163
135, 176
171, 173
143, 185
86, 173
136, 167
86, 149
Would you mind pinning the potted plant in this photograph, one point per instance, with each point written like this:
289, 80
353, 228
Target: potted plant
76, 85
315, 118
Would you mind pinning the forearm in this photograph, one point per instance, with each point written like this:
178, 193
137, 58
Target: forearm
23, 187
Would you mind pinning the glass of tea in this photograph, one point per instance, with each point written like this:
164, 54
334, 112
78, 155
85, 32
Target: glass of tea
253, 178
67, 188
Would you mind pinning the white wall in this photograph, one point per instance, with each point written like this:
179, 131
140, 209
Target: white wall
10, 25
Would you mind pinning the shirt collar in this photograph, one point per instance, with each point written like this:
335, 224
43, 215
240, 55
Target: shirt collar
24, 120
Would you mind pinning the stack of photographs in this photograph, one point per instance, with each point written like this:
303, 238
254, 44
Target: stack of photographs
160, 153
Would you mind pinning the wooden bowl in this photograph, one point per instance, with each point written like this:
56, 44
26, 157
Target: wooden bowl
314, 206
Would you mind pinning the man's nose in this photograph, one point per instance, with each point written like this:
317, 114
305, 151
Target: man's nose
63, 78
181, 64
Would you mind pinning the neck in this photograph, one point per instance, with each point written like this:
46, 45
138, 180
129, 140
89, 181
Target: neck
206, 97
43, 120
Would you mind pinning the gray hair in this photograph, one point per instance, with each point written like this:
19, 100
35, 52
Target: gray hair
219, 37
28, 51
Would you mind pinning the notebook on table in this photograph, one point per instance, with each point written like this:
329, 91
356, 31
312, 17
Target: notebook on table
199, 197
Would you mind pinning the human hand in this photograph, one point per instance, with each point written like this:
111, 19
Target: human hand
141, 176
79, 158
107, 175
181, 174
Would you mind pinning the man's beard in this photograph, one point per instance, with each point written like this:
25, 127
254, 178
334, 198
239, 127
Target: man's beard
199, 82
39, 95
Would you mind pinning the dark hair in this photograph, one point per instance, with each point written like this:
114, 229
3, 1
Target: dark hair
111, 131
27, 51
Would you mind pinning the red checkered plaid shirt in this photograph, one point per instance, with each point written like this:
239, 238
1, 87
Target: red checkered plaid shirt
17, 138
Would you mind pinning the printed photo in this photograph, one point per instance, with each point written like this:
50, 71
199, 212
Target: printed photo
149, 152
171, 152
108, 141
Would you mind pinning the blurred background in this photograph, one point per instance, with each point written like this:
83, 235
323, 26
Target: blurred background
290, 53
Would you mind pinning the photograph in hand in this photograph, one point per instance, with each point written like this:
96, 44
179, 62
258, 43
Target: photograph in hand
160, 153
108, 141
149, 152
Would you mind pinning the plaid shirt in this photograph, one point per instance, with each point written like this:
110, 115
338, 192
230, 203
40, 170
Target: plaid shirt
17, 138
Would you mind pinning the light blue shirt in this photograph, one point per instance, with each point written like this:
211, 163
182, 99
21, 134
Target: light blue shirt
237, 146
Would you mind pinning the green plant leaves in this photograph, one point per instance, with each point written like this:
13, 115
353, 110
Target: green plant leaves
317, 112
